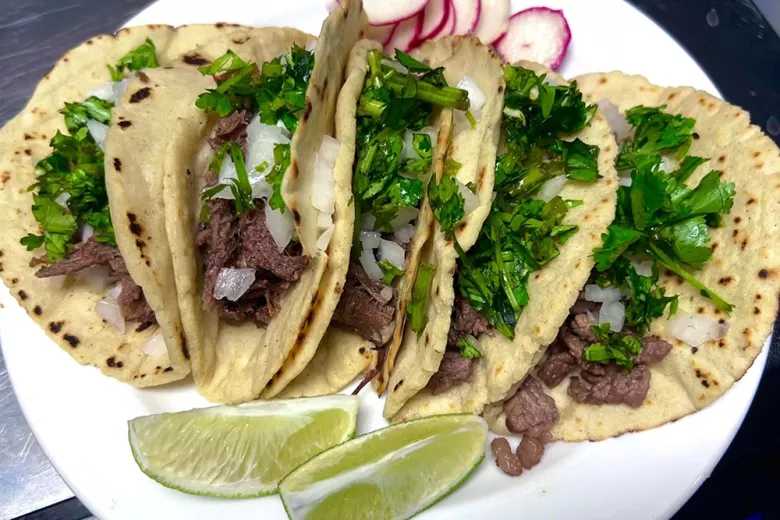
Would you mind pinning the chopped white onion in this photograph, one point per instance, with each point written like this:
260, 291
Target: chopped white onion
110, 312
694, 329
311, 46
323, 193
86, 232
643, 268
594, 293
62, 199
155, 345
367, 221
613, 313
369, 240
408, 151
324, 220
98, 131
233, 283
281, 226
58, 282
324, 239
393, 253
386, 293
97, 277
617, 121
471, 200
476, 96
404, 217
550, 81
395, 65
515, 114
368, 262
119, 89
625, 181
667, 164
115, 291
404, 234
551, 188
104, 91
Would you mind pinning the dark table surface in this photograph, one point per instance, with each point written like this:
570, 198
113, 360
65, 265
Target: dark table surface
731, 40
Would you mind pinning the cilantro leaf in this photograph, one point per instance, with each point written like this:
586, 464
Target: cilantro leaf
411, 64
77, 114
142, 57
468, 347
580, 159
391, 272
417, 307
656, 132
276, 175
445, 199
613, 346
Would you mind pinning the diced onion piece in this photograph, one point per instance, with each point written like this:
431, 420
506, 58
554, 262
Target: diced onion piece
233, 283
98, 131
368, 262
57, 282
369, 240
408, 151
617, 121
155, 345
119, 90
514, 113
386, 293
62, 199
551, 188
594, 293
404, 234
476, 96
643, 268
115, 291
86, 232
404, 217
613, 313
667, 164
625, 181
110, 312
695, 329
550, 81
104, 91
367, 221
323, 193
280, 225
324, 239
395, 65
393, 253
324, 220
471, 200
97, 277
260, 142
311, 46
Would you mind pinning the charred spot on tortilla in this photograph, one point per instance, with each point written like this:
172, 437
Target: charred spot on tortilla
27, 152
140, 94
72, 340
168, 369
117, 164
27, 137
241, 39
756, 310
725, 280
184, 350
135, 227
695, 136
763, 273
141, 75
14, 281
296, 216
744, 244
6, 176
751, 200
145, 325
22, 295
189, 172
694, 350
56, 326
195, 59
398, 385
124, 124
307, 112
37, 310
112, 362
362, 350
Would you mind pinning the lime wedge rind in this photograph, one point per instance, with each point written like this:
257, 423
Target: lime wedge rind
299, 411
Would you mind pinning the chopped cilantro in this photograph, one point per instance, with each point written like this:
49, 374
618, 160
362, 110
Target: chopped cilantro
391, 272
613, 346
446, 201
416, 308
240, 187
143, 57
468, 347
77, 114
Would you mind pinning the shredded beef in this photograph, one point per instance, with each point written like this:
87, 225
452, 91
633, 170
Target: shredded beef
557, 364
231, 128
505, 458
132, 302
466, 320
453, 369
654, 350
229, 240
362, 309
530, 410
614, 386
530, 451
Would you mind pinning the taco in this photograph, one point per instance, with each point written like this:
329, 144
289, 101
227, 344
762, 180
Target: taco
513, 283
79, 276
685, 288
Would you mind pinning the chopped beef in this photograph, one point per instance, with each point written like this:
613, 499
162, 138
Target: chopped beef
530, 451
614, 386
530, 410
229, 240
132, 302
557, 364
574, 343
505, 458
584, 306
466, 320
581, 325
654, 350
453, 369
231, 128
362, 309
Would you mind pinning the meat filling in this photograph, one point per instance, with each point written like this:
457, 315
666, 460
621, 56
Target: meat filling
132, 302
363, 309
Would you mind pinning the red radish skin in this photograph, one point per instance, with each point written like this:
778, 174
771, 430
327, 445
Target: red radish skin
467, 15
405, 35
493, 20
537, 34
435, 16
381, 33
449, 28
388, 12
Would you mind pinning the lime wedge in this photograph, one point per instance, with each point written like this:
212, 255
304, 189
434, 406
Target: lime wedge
391, 473
239, 451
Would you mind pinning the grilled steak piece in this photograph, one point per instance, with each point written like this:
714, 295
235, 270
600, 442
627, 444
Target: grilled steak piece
465, 320
654, 350
581, 325
557, 364
259, 250
453, 369
505, 458
219, 239
231, 128
362, 309
530, 451
530, 410
614, 386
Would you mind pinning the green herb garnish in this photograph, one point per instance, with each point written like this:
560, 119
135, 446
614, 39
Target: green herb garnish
446, 201
468, 348
391, 272
239, 186
416, 308
77, 114
143, 57
613, 346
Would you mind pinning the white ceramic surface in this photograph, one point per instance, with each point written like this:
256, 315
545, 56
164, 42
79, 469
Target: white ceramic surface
80, 417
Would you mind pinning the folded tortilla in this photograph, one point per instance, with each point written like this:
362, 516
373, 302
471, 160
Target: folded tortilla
745, 269
552, 291
65, 309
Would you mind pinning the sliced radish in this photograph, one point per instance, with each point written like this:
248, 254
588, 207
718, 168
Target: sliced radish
467, 15
449, 27
405, 35
435, 17
537, 34
386, 12
381, 33
493, 20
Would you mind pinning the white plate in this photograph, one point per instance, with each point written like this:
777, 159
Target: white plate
79, 416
